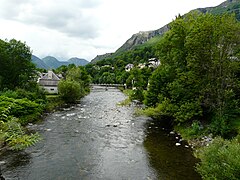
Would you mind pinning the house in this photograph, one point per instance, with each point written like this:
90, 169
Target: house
153, 62
128, 67
142, 65
49, 82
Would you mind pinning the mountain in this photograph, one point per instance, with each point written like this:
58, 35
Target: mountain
39, 63
229, 6
142, 37
78, 61
101, 57
51, 62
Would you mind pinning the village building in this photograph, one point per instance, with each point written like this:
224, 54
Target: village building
49, 82
153, 62
128, 67
142, 65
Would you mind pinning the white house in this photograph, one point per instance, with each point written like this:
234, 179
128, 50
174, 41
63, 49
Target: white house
128, 67
49, 82
142, 65
153, 62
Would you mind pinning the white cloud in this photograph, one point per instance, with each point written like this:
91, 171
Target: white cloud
85, 28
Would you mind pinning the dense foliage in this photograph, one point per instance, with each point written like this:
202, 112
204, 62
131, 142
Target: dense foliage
112, 70
16, 68
15, 111
76, 83
22, 101
198, 77
69, 91
221, 160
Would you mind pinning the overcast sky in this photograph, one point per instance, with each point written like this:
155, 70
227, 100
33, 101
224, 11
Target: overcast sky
86, 28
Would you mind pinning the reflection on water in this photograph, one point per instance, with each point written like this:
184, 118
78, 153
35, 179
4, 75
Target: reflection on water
97, 139
170, 161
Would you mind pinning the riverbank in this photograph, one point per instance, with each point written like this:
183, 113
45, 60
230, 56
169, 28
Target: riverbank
14, 132
218, 157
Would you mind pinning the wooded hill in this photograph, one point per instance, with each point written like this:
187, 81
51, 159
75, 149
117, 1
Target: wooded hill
229, 6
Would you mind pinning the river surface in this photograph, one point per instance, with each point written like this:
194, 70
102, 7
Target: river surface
98, 139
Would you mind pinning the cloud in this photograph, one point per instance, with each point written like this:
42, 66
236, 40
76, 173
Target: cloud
85, 28
72, 19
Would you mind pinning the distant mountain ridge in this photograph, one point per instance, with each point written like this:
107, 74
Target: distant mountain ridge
50, 62
229, 6
39, 63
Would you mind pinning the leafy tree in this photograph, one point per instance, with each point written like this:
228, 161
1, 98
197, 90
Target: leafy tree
70, 91
107, 78
80, 75
198, 72
16, 68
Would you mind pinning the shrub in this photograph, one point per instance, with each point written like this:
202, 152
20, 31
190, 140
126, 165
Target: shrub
187, 111
190, 131
70, 91
137, 94
53, 101
220, 126
163, 109
221, 160
24, 109
12, 133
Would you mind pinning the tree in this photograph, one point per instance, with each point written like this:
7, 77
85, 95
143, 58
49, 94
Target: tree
80, 75
70, 91
198, 72
16, 68
107, 78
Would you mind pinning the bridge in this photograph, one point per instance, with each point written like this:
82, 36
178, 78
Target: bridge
109, 85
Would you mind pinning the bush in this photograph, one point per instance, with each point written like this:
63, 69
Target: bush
70, 91
12, 133
24, 109
221, 160
163, 110
37, 95
53, 101
220, 126
187, 111
137, 94
190, 131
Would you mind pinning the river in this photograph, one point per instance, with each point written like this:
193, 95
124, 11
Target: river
98, 139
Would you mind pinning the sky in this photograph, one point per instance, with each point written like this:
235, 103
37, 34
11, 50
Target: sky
86, 28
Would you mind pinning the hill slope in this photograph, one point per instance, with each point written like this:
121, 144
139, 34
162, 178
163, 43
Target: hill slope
39, 63
229, 6
78, 61
141, 38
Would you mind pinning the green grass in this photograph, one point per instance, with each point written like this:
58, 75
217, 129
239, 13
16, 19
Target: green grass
125, 102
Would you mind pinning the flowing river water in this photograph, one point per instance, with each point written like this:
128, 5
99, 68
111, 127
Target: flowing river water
97, 139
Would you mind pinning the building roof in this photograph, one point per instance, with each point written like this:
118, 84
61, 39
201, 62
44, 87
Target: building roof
49, 79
